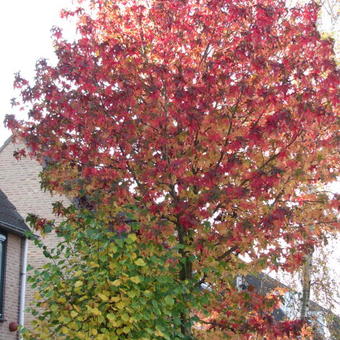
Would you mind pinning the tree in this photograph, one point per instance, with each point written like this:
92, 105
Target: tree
200, 130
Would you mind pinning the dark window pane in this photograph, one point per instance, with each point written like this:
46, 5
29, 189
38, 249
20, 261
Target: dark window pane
2, 272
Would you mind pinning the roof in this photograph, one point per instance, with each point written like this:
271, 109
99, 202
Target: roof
10, 220
7, 141
264, 284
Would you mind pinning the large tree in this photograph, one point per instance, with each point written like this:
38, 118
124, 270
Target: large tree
202, 127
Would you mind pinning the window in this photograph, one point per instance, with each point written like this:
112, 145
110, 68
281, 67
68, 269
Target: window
291, 305
2, 272
319, 323
241, 283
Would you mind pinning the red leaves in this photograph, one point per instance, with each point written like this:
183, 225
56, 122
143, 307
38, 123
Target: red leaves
235, 192
281, 119
262, 182
288, 328
187, 221
255, 135
57, 33
18, 154
19, 82
265, 16
11, 122
259, 319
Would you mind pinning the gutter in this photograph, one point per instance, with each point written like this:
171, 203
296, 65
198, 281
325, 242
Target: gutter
23, 276
13, 229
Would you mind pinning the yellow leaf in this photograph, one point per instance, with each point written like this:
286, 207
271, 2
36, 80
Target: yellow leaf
78, 284
116, 283
111, 316
132, 293
103, 297
37, 296
115, 298
125, 317
64, 330
115, 323
113, 249
135, 279
126, 330
120, 305
74, 314
140, 262
132, 237
95, 311
159, 333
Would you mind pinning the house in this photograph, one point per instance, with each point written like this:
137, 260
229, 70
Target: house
19, 181
326, 324
13, 256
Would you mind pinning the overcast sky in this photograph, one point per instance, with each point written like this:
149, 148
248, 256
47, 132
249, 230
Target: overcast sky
25, 37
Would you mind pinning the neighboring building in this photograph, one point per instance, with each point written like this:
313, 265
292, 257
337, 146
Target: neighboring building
19, 180
13, 251
326, 325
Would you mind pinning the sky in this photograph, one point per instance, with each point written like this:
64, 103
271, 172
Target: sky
24, 38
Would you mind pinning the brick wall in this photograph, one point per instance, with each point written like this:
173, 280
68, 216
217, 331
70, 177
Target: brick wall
20, 182
12, 286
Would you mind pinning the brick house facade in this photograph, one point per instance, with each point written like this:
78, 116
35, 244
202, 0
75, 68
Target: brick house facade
12, 263
19, 180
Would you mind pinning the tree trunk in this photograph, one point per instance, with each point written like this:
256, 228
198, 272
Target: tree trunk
306, 284
185, 274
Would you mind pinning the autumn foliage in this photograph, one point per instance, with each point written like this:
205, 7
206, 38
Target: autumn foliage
207, 129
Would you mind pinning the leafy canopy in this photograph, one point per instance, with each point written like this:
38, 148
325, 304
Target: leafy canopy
216, 120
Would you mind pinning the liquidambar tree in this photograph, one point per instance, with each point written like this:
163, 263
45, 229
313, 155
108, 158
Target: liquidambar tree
194, 137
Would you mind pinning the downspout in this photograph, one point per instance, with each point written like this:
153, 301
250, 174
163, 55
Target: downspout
23, 276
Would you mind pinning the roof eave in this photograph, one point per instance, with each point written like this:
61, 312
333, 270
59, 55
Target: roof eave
7, 141
13, 229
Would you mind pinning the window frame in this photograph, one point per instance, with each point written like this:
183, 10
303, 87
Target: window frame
3, 242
